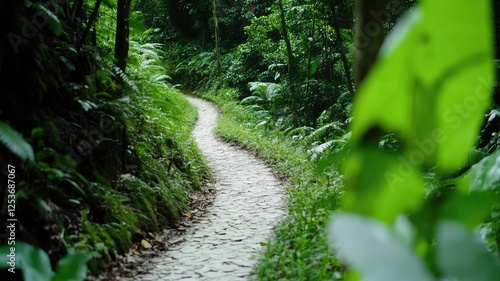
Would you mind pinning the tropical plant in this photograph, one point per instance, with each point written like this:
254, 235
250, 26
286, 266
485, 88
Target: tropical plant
15, 142
387, 227
35, 263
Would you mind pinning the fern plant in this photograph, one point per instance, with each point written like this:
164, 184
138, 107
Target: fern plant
324, 133
15, 142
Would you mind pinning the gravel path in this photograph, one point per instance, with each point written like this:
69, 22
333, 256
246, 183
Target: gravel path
226, 243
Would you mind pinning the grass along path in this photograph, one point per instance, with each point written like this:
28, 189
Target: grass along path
225, 244
299, 248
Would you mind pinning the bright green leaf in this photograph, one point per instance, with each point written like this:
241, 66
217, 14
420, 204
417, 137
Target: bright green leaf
462, 257
386, 185
376, 93
469, 209
374, 250
433, 81
34, 262
73, 267
314, 65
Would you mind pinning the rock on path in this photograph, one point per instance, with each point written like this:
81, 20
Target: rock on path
225, 244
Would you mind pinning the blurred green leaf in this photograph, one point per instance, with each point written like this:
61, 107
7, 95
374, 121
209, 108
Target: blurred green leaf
375, 250
386, 186
34, 262
394, 98
462, 257
73, 267
442, 56
485, 175
469, 209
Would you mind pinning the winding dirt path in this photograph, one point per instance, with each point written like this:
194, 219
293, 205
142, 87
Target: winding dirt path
226, 243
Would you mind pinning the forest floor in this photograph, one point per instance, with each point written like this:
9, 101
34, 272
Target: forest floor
226, 242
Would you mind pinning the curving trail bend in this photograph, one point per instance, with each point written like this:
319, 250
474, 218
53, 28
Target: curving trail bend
224, 244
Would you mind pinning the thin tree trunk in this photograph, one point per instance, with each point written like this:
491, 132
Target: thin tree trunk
311, 45
496, 6
217, 36
77, 7
340, 43
291, 63
90, 22
122, 33
368, 37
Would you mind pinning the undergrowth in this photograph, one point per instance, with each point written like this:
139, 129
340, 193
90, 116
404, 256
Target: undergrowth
111, 156
162, 164
299, 249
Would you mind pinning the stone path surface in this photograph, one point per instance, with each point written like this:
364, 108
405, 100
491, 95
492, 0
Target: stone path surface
225, 244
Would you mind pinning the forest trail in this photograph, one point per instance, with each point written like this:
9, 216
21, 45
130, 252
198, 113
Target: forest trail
225, 244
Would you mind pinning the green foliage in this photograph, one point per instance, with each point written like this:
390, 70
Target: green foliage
315, 49
15, 142
365, 242
447, 115
53, 21
35, 264
388, 228
485, 175
262, 59
111, 151
299, 248
262, 103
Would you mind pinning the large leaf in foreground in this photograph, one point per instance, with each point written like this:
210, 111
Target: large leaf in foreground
462, 257
375, 250
433, 81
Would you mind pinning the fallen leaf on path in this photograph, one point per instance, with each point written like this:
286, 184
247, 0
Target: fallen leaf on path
145, 244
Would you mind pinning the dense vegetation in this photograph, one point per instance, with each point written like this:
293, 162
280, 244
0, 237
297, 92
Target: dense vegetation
107, 155
383, 113
287, 92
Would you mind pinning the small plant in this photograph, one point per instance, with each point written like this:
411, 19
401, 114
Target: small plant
35, 263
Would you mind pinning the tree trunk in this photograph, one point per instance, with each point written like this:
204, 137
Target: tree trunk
217, 36
76, 10
311, 46
496, 5
291, 64
90, 22
369, 35
340, 43
122, 33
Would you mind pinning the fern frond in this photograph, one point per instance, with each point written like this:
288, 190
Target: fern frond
15, 142
301, 131
53, 21
118, 72
319, 149
251, 100
323, 131
159, 78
